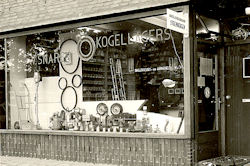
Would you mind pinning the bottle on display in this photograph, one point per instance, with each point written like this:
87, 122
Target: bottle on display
91, 126
97, 128
86, 126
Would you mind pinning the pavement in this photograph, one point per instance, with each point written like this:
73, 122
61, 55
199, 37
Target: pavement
22, 161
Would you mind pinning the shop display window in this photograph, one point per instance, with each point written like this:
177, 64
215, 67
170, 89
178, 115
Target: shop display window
125, 76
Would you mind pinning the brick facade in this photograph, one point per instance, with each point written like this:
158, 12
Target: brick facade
19, 14
82, 147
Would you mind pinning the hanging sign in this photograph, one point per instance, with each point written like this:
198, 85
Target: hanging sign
177, 22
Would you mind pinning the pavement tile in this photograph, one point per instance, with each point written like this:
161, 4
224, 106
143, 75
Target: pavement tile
23, 161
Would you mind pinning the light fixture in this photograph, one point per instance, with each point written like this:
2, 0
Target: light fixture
247, 10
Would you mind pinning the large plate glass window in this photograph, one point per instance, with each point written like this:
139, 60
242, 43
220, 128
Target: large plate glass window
133, 68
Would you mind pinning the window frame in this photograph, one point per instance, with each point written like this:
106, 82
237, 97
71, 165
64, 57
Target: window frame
187, 57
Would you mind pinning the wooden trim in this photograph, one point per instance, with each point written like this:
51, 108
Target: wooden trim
209, 131
6, 85
216, 92
188, 102
222, 127
237, 42
95, 134
195, 75
195, 89
208, 42
208, 145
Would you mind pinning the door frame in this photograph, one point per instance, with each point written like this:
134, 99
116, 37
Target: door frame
219, 133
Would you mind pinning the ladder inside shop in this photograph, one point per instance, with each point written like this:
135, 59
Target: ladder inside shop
118, 90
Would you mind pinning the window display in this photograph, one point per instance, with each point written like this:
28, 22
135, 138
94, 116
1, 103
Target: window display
125, 76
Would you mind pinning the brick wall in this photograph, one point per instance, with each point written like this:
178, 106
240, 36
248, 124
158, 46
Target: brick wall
18, 14
112, 150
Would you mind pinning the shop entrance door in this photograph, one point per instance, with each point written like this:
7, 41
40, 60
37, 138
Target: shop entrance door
208, 102
237, 91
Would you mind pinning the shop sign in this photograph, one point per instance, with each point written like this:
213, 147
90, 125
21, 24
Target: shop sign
160, 68
123, 40
87, 45
177, 21
64, 57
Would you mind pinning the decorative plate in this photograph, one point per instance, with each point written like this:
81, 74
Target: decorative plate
101, 108
116, 109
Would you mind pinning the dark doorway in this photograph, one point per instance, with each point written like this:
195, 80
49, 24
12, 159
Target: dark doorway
207, 87
237, 101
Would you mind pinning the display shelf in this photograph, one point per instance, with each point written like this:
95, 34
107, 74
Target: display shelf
89, 82
94, 63
95, 77
92, 76
97, 70
93, 89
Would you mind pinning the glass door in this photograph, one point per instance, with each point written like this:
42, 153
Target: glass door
207, 101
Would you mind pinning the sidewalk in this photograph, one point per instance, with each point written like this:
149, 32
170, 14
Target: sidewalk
22, 161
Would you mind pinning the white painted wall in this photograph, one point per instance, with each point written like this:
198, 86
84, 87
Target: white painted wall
48, 99
50, 95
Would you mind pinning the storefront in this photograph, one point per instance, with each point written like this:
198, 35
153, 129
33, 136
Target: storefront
131, 88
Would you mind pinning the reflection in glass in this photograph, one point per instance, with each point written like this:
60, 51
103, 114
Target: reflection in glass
126, 66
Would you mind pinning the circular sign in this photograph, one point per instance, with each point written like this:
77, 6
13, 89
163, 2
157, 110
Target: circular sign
101, 108
77, 81
68, 95
207, 92
116, 109
86, 48
61, 84
69, 60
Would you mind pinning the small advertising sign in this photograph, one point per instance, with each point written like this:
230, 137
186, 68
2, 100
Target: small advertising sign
177, 22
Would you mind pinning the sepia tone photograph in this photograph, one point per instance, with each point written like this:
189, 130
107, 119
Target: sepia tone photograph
124, 83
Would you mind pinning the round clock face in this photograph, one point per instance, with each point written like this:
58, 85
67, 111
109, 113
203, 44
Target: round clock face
102, 108
207, 92
116, 109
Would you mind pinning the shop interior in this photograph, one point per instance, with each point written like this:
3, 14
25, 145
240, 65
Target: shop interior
129, 78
